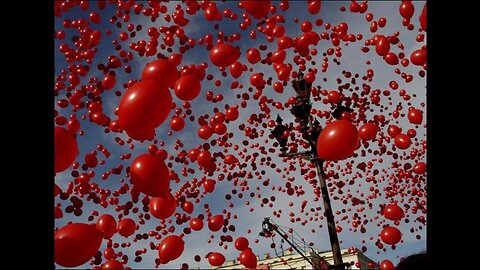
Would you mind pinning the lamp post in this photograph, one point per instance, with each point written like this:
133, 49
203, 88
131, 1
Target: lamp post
311, 130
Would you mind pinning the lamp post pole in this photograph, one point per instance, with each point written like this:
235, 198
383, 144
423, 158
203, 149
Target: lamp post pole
311, 130
332, 231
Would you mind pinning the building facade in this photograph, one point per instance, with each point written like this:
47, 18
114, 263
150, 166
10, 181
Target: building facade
295, 261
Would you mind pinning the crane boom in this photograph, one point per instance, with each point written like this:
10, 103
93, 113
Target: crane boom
269, 226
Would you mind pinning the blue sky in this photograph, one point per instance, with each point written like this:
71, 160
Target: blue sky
353, 60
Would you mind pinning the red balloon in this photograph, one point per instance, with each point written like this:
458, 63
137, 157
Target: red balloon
126, 227
415, 116
187, 87
402, 141
212, 13
223, 55
386, 265
241, 243
143, 107
57, 212
218, 118
406, 9
393, 131
108, 82
91, 160
311, 37
112, 265
248, 258
411, 133
196, 224
253, 55
279, 56
314, 6
94, 17
193, 154
163, 207
258, 9
285, 42
73, 125
284, 74
175, 59
257, 80
150, 175
204, 158
391, 58
141, 135
209, 185
334, 97
187, 207
107, 225
368, 132
302, 43
391, 235
278, 87
162, 71
171, 248
220, 128
232, 113
76, 243
163, 261
66, 149
215, 223
210, 167
109, 254
423, 18
95, 37
177, 123
115, 126
216, 259
419, 57
383, 46
205, 132
230, 159
420, 168
337, 141
278, 31
57, 190
236, 69
393, 212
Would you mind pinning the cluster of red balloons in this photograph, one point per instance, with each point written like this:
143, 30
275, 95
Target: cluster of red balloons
164, 178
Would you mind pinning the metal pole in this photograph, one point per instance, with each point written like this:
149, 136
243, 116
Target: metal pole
306, 124
332, 232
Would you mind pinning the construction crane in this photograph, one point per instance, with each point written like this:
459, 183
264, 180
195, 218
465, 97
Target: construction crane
268, 229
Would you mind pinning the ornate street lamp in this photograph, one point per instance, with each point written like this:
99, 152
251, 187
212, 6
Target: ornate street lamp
302, 87
301, 109
339, 110
311, 130
279, 133
316, 129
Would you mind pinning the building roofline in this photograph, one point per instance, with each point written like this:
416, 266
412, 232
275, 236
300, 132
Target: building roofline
326, 255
